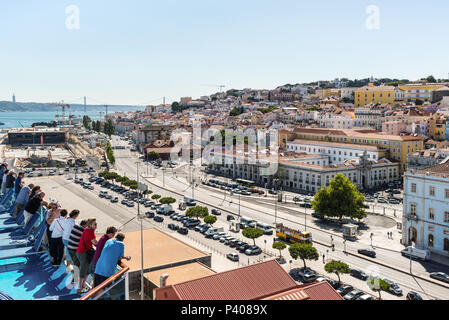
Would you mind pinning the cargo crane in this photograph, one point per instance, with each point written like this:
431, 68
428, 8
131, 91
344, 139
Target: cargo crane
66, 119
219, 86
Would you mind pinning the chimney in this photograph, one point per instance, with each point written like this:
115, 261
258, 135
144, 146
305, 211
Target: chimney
163, 281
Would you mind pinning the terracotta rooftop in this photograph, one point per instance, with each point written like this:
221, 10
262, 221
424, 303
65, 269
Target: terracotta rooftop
315, 291
248, 283
440, 170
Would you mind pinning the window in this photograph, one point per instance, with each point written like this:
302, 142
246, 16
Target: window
431, 213
432, 191
430, 241
446, 193
446, 244
413, 209
414, 187
446, 217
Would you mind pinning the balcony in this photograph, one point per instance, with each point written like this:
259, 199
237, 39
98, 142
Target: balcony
410, 216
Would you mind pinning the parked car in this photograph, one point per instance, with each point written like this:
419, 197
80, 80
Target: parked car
158, 219
224, 238
243, 247
229, 241
359, 274
219, 235
230, 217
345, 289
114, 200
307, 275
367, 252
334, 284
365, 297
191, 223
183, 230
394, 288
216, 212
149, 214
173, 226
233, 256
412, 295
439, 276
253, 250
354, 294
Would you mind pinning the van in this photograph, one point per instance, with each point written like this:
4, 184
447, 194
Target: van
416, 253
266, 228
213, 231
165, 210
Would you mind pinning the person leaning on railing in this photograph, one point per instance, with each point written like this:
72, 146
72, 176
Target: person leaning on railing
22, 198
33, 206
110, 233
74, 240
113, 252
55, 240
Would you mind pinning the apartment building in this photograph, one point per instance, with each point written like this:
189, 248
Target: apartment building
372, 94
307, 173
421, 91
398, 147
426, 209
338, 153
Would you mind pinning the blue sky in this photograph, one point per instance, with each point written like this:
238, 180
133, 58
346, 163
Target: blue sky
136, 51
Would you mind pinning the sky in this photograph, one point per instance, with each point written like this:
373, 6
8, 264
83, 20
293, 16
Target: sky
138, 51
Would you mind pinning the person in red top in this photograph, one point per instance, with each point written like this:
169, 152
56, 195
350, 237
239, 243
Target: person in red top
85, 251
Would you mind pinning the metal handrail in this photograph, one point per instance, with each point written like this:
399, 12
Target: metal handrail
95, 291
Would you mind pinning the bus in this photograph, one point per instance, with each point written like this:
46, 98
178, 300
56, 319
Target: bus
246, 183
292, 235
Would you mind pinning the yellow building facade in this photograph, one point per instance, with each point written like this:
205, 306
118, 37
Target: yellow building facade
421, 91
372, 94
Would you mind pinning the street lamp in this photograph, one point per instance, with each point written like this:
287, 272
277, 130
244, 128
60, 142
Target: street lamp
344, 243
141, 234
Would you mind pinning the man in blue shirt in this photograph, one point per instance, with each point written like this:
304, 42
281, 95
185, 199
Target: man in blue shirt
113, 251
18, 183
22, 198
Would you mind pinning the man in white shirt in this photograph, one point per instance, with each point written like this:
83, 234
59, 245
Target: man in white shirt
56, 244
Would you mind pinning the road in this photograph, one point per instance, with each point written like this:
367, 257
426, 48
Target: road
386, 263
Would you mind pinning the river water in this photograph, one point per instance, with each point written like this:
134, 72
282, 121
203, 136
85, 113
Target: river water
11, 119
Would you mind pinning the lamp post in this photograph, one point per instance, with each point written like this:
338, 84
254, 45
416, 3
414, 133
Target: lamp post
344, 243
141, 234
275, 181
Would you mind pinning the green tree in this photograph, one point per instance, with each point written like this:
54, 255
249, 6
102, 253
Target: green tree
236, 111
252, 233
109, 128
168, 200
279, 245
340, 199
153, 156
431, 79
197, 212
303, 251
377, 285
210, 220
155, 197
337, 267
87, 122
147, 192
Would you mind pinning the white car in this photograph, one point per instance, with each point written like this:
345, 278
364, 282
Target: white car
365, 297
